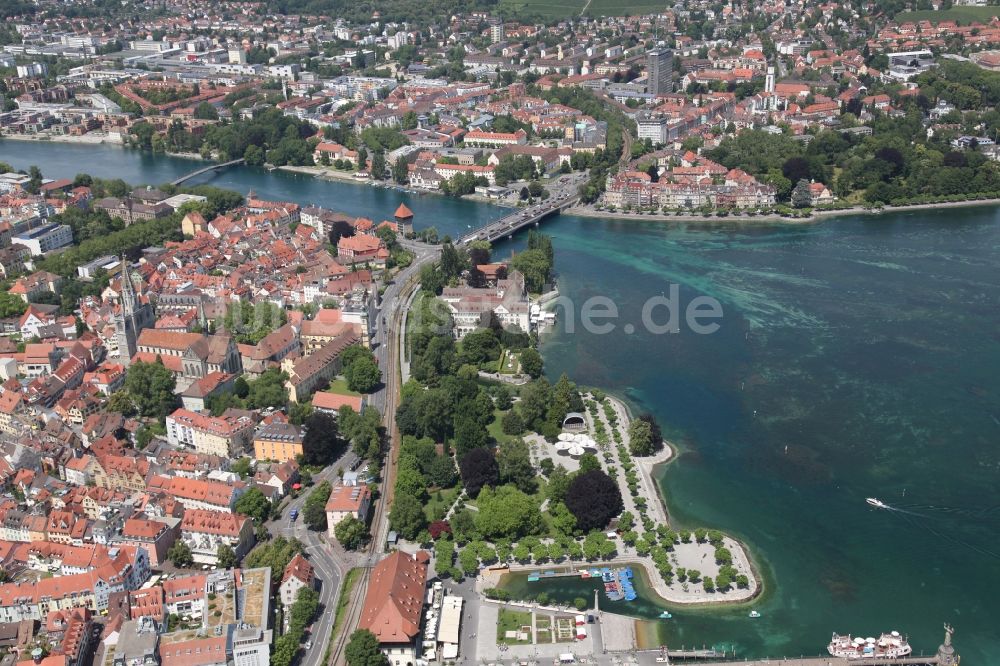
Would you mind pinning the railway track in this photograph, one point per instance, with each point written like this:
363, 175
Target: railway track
351, 621
380, 521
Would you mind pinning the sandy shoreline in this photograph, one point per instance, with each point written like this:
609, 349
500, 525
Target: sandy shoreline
744, 220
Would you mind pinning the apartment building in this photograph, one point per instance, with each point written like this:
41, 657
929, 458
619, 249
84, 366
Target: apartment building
226, 436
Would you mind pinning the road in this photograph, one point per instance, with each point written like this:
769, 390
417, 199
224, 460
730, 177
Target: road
563, 191
386, 343
330, 562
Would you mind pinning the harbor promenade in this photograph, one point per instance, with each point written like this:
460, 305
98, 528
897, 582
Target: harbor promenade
825, 661
688, 555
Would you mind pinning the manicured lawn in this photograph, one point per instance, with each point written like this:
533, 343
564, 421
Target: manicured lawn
510, 620
961, 15
509, 364
339, 386
345, 598
496, 432
434, 504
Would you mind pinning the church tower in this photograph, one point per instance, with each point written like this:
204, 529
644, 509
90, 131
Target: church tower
132, 317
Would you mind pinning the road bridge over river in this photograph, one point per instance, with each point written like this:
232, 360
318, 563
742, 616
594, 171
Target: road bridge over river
563, 193
519, 219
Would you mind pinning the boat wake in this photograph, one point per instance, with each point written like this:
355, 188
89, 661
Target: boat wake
929, 517
945, 512
946, 535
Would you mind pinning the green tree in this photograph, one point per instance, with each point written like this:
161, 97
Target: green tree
363, 376
561, 519
514, 460
801, 196
254, 155
559, 480
11, 305
363, 430
321, 443
275, 554
506, 512
441, 471
253, 503
401, 170
531, 362
226, 557
268, 390
511, 423
535, 267
351, 532
536, 397
363, 650
151, 388
378, 165
407, 516
180, 554
242, 467
480, 346
469, 561
589, 463
640, 438
314, 508
469, 434
206, 111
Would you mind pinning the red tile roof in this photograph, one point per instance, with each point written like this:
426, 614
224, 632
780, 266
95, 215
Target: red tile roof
395, 598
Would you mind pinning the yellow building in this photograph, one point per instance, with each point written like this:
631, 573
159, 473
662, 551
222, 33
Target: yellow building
277, 441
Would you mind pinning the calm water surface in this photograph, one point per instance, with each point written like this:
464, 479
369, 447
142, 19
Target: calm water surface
855, 358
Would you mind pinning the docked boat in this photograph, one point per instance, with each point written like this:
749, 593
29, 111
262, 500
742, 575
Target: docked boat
877, 503
886, 646
754, 613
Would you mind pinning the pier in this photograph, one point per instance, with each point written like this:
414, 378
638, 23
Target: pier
811, 661
945, 656
211, 167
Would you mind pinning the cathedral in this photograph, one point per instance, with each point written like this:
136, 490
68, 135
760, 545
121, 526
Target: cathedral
133, 316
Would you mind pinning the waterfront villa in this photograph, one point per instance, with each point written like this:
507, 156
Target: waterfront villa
507, 300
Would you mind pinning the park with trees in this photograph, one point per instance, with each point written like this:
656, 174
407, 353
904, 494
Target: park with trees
478, 478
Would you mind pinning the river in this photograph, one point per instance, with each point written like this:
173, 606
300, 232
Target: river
856, 357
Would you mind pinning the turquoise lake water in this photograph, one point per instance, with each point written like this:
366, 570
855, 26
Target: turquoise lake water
855, 358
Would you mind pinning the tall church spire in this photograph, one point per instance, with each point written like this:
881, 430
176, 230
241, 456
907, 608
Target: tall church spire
128, 289
133, 316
